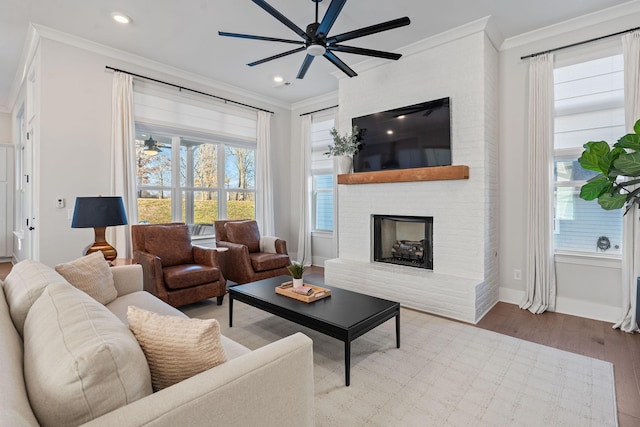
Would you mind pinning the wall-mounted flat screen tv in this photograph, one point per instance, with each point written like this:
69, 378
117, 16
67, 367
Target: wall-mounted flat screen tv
415, 136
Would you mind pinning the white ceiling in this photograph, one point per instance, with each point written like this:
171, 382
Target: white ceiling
183, 34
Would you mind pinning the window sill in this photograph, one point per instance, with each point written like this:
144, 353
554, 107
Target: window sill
203, 237
595, 260
319, 233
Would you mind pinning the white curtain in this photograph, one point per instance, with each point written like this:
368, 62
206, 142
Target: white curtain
541, 278
304, 231
264, 179
631, 221
123, 159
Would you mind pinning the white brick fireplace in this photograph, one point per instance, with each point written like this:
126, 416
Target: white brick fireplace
463, 284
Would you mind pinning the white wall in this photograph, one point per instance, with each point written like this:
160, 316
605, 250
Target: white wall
75, 135
588, 288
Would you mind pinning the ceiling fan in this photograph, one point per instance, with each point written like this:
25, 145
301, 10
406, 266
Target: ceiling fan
316, 40
151, 147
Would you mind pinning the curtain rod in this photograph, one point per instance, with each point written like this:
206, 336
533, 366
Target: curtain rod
317, 111
579, 43
180, 88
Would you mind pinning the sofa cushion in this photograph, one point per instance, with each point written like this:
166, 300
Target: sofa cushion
266, 261
176, 348
92, 275
186, 276
244, 233
169, 242
14, 404
23, 286
80, 360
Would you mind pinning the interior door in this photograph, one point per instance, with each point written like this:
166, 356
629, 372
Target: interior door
24, 226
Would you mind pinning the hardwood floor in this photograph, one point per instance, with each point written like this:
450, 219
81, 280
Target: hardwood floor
570, 333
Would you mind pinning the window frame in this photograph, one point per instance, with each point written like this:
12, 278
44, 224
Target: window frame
314, 199
580, 55
177, 191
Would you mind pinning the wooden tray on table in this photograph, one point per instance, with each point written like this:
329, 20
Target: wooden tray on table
318, 292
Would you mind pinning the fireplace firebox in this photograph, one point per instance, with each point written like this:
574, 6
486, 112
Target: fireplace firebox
403, 240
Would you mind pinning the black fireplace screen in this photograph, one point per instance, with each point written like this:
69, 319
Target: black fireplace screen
403, 240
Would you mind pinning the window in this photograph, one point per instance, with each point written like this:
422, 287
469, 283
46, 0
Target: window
322, 172
204, 166
182, 181
589, 106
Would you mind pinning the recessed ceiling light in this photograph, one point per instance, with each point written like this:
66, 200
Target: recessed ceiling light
278, 79
401, 117
120, 18
389, 132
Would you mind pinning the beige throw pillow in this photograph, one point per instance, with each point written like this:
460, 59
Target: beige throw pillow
80, 360
24, 285
176, 348
92, 275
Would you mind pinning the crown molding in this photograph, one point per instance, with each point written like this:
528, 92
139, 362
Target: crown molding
479, 25
154, 67
328, 98
575, 24
28, 52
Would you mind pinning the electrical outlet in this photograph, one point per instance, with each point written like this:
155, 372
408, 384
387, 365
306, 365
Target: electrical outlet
517, 274
59, 203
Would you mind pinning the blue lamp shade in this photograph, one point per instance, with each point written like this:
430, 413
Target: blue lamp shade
99, 213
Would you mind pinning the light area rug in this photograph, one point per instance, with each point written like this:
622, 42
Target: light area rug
445, 374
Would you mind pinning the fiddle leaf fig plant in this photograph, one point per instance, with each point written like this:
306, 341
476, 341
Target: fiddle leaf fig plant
623, 160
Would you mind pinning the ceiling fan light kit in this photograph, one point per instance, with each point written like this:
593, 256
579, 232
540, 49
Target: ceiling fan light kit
316, 41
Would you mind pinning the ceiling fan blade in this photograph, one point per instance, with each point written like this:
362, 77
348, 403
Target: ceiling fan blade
268, 39
330, 17
305, 66
338, 63
280, 17
384, 26
366, 52
280, 55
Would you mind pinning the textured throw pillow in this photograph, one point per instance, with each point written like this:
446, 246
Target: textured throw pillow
268, 244
23, 286
176, 348
92, 275
80, 360
169, 242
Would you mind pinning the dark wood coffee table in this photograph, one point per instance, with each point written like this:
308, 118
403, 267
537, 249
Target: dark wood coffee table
344, 315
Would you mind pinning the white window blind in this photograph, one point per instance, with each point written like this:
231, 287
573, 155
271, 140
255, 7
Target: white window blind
163, 109
320, 142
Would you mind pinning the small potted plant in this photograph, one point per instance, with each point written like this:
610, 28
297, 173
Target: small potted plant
296, 269
343, 148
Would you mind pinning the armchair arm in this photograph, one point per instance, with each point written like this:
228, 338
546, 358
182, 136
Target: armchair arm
281, 247
206, 256
236, 264
152, 274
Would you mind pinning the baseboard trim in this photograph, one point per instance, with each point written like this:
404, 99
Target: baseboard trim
574, 307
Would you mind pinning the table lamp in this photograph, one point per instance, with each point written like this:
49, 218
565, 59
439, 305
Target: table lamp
99, 213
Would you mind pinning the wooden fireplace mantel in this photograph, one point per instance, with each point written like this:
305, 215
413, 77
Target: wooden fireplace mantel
435, 173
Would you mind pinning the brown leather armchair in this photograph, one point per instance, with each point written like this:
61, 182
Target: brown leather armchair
173, 269
244, 262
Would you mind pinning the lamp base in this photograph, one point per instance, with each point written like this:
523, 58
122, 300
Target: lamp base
101, 244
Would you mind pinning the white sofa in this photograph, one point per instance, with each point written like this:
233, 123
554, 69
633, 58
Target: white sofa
272, 385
